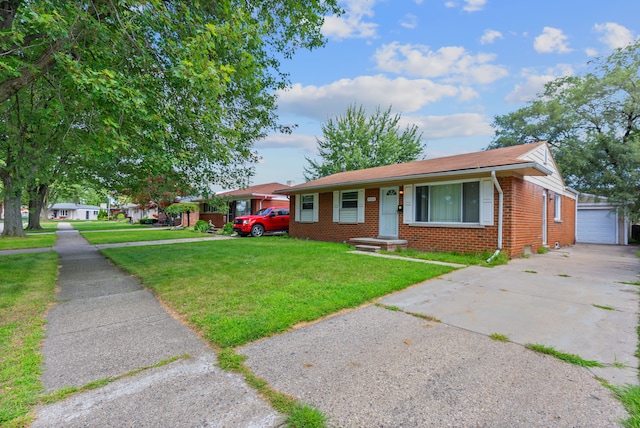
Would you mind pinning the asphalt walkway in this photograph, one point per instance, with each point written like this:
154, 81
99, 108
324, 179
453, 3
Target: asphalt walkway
368, 367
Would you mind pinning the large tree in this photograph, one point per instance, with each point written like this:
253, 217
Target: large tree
591, 123
357, 141
145, 87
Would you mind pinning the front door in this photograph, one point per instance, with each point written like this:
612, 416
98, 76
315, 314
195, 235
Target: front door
388, 212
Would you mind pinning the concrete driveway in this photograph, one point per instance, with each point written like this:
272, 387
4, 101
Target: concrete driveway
378, 367
558, 299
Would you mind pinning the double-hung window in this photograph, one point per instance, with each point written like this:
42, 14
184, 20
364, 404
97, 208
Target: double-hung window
348, 206
307, 208
557, 212
448, 203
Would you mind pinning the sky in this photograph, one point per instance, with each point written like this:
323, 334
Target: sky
448, 67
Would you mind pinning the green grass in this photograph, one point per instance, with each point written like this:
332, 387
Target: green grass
629, 396
240, 290
499, 337
47, 227
476, 259
569, 358
31, 241
606, 308
115, 237
26, 288
105, 225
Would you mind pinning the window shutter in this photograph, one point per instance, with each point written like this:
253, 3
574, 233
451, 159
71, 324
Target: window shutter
315, 207
486, 207
336, 207
361, 206
298, 206
407, 210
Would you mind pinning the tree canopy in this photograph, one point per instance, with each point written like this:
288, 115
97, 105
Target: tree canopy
117, 91
357, 141
591, 123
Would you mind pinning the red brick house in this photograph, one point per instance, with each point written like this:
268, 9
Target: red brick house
513, 199
242, 201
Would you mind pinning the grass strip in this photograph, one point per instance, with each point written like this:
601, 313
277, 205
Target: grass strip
106, 225
26, 289
298, 414
116, 237
629, 396
569, 358
479, 259
31, 241
240, 290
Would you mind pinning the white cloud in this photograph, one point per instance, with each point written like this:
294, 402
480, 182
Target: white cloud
283, 141
551, 40
591, 52
450, 4
614, 35
534, 83
410, 21
404, 95
452, 126
474, 5
490, 36
453, 63
352, 24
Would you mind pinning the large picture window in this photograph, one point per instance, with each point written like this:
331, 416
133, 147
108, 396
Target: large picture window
448, 203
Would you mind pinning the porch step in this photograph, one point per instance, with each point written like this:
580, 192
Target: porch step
368, 248
380, 243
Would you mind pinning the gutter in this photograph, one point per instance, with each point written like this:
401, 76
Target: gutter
500, 219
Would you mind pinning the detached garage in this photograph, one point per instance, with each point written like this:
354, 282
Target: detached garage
600, 223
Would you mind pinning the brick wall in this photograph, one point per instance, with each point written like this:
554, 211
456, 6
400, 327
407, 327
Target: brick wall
522, 225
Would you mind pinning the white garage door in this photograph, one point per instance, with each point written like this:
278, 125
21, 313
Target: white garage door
596, 226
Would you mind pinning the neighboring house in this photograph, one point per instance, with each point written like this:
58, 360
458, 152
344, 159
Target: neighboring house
601, 222
513, 199
136, 212
70, 211
241, 202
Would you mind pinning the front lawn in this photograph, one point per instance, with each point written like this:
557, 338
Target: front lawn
31, 241
105, 225
26, 288
471, 259
115, 237
240, 290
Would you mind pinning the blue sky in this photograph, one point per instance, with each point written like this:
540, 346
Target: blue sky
448, 67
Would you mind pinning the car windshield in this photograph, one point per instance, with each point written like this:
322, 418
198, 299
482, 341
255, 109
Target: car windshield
264, 211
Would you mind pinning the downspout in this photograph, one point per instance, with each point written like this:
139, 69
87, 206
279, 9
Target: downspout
500, 205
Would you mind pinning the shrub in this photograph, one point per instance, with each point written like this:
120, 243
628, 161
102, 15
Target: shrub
201, 226
120, 216
146, 220
102, 215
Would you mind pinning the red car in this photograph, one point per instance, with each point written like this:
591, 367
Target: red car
273, 219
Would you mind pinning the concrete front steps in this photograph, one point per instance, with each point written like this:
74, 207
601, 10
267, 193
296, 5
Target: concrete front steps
377, 244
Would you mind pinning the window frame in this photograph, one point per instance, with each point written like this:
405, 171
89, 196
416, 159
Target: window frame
557, 207
429, 210
308, 214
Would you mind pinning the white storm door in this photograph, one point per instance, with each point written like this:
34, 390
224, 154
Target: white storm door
388, 212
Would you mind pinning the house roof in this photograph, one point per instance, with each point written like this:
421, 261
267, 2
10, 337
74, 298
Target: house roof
510, 159
259, 190
72, 206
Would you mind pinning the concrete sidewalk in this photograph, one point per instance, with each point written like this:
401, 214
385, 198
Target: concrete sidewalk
106, 326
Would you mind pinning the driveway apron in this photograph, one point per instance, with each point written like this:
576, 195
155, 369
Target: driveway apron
106, 326
379, 367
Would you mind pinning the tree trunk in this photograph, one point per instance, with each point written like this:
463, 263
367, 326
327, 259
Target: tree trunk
36, 206
12, 216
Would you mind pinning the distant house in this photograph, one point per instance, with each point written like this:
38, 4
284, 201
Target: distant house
136, 212
70, 211
600, 221
241, 202
513, 199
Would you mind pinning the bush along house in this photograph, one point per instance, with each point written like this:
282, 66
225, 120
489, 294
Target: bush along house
511, 199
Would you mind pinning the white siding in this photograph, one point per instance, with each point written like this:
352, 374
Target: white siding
553, 182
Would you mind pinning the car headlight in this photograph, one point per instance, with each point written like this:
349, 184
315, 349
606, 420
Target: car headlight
245, 221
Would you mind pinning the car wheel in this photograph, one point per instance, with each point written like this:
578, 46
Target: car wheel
257, 230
